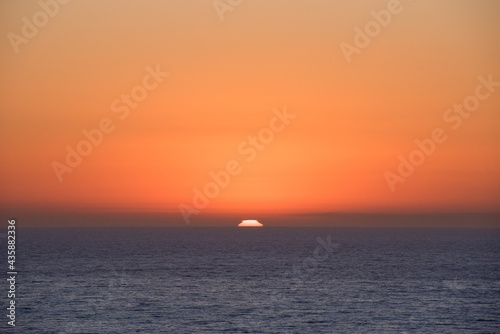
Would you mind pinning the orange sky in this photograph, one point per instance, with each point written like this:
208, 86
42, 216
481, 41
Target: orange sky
353, 119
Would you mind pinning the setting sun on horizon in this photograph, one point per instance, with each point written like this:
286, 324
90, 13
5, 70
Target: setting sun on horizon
250, 223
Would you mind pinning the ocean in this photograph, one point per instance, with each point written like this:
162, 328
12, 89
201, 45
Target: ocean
256, 280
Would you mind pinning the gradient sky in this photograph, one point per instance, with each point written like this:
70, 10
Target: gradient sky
353, 119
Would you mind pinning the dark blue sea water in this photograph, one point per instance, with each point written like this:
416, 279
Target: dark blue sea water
265, 280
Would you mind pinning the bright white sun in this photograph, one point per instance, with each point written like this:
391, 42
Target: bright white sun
250, 222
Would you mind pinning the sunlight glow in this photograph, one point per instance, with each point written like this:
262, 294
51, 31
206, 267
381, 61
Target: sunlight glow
250, 222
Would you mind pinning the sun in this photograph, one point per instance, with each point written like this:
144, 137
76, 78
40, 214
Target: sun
250, 223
